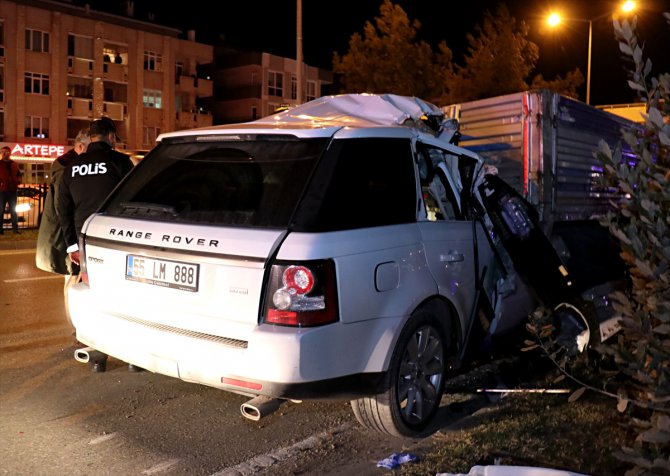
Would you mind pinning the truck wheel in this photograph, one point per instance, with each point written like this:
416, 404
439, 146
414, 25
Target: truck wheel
415, 380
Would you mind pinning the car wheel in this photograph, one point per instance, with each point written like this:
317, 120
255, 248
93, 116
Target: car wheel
415, 380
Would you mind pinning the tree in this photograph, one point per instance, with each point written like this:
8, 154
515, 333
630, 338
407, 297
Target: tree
388, 58
566, 86
637, 370
642, 225
499, 59
372, 63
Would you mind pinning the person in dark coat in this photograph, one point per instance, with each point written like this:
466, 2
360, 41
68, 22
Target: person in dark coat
87, 181
10, 179
50, 253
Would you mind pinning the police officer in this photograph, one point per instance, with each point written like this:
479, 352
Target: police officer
87, 181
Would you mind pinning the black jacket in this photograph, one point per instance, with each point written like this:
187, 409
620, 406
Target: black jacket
50, 254
86, 183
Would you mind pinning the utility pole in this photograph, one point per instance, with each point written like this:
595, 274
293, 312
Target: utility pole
298, 48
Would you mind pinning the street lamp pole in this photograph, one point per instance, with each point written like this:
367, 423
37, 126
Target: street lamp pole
588, 65
554, 19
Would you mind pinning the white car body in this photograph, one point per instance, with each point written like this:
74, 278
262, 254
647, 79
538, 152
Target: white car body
211, 330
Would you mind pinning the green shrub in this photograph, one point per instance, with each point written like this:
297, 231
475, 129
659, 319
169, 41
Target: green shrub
640, 220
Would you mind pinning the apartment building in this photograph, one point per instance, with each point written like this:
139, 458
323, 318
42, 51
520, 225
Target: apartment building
252, 85
62, 66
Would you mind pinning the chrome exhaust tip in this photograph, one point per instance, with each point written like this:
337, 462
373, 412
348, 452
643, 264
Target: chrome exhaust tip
259, 407
88, 355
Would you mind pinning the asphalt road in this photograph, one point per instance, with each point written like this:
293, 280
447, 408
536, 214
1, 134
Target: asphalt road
58, 418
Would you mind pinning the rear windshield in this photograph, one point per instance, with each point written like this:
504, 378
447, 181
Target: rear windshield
251, 183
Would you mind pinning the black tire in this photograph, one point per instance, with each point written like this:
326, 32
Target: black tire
415, 380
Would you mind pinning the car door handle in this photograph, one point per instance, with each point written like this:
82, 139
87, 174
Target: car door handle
452, 257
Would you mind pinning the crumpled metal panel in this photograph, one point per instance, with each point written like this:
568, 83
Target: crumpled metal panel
357, 110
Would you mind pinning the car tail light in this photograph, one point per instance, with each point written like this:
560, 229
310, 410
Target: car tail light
82, 259
301, 294
298, 279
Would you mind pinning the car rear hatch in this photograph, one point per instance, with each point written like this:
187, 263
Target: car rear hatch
184, 277
183, 241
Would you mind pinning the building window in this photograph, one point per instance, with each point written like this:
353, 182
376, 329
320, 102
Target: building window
2, 124
2, 83
275, 84
178, 71
153, 61
79, 46
311, 90
37, 40
149, 136
254, 113
294, 86
36, 83
152, 98
37, 127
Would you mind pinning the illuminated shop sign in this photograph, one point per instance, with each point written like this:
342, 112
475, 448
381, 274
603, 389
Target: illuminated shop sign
37, 151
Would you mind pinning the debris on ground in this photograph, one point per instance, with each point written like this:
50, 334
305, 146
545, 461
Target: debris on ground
396, 459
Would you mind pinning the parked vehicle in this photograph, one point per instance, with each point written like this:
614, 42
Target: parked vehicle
339, 249
29, 204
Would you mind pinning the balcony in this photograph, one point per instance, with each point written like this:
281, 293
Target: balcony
193, 84
204, 87
79, 108
115, 110
193, 118
115, 72
79, 66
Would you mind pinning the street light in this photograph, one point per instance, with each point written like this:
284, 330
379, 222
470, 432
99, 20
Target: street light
554, 19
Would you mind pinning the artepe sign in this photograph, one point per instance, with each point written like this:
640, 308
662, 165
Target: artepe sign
38, 150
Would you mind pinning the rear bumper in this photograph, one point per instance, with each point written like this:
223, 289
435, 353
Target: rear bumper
331, 361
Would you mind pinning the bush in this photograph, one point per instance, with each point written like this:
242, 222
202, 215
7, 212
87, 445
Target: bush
640, 221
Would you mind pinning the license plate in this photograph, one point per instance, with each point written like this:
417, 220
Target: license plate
161, 272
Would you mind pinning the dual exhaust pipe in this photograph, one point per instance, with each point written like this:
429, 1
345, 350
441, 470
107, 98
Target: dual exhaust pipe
255, 409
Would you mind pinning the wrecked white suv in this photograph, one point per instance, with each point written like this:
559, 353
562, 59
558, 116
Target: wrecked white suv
339, 249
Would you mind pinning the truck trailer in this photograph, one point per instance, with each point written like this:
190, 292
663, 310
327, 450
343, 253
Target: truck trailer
543, 145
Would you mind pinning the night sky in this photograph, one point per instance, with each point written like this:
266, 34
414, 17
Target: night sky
270, 26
